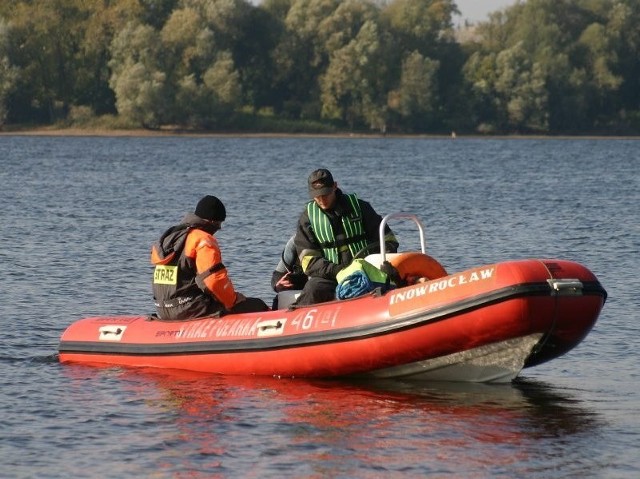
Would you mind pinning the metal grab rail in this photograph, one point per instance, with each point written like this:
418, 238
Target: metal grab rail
409, 216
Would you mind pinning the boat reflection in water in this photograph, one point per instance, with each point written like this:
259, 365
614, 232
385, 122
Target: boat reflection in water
260, 426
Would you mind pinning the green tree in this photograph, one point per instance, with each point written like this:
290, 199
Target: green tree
298, 59
184, 72
155, 12
207, 102
421, 25
45, 39
544, 65
520, 90
244, 38
253, 54
415, 100
61, 49
200, 38
623, 40
540, 65
99, 23
424, 27
8, 73
137, 78
350, 91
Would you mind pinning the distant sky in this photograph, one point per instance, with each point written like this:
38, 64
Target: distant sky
478, 10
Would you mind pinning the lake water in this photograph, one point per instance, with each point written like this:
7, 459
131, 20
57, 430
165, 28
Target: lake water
79, 216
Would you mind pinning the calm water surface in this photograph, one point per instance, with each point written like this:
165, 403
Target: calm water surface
79, 215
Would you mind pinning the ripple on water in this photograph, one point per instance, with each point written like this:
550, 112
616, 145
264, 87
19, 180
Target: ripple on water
81, 213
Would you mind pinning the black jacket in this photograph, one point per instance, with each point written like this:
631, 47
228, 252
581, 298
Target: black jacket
310, 252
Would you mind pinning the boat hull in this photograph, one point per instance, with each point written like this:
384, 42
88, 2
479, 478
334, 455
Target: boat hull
483, 325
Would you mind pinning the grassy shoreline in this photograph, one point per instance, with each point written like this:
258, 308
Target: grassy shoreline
141, 132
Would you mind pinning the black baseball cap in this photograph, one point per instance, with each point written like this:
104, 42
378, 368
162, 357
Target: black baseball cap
320, 183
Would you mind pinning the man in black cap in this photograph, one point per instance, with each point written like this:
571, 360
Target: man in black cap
333, 229
189, 279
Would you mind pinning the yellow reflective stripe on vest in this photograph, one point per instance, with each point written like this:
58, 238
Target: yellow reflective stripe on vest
353, 226
322, 230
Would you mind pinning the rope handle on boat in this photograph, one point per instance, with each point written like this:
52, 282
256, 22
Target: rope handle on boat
270, 327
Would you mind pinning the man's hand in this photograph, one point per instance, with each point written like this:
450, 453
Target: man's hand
284, 283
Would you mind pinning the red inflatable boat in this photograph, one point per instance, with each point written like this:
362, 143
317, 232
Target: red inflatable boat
484, 325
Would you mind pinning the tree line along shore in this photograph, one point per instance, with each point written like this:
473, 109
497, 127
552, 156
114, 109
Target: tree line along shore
322, 67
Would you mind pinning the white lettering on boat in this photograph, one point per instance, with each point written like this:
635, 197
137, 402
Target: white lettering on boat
214, 328
194, 330
315, 319
441, 284
239, 327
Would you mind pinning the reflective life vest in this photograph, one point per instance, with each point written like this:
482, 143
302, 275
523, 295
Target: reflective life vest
178, 292
352, 224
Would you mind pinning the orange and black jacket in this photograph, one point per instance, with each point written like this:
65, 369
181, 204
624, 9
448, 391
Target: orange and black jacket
189, 277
